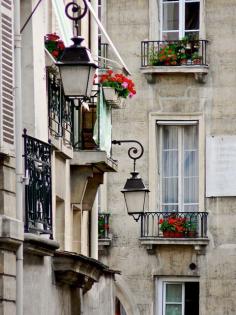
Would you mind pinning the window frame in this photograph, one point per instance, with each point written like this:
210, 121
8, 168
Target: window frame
154, 176
160, 293
181, 30
180, 186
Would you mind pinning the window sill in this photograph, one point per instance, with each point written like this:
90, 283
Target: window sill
197, 243
199, 71
39, 245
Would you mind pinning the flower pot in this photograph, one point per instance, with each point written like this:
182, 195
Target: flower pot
197, 61
172, 234
191, 234
112, 98
183, 61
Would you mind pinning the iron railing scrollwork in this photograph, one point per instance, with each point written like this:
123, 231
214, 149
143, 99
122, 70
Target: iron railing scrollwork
190, 224
59, 110
38, 191
174, 53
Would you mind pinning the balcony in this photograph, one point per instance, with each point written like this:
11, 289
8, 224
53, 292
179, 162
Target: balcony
104, 236
92, 134
174, 228
59, 115
182, 56
38, 190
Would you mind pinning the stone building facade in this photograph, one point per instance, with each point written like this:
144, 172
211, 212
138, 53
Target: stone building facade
51, 169
184, 116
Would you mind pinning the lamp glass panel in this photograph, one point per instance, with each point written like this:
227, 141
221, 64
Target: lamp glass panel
77, 80
135, 201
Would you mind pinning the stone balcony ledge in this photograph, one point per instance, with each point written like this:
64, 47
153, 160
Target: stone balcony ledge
197, 243
199, 71
94, 157
78, 270
39, 245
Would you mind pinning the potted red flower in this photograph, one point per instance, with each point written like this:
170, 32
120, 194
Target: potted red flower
173, 226
116, 88
54, 45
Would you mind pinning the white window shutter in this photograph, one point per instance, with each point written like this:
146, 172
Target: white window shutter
7, 112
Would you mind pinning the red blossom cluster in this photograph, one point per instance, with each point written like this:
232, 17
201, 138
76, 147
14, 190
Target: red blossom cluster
173, 224
54, 45
123, 86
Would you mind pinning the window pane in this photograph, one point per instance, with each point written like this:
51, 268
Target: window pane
190, 163
170, 163
192, 15
190, 137
170, 208
170, 137
190, 208
191, 298
170, 190
170, 16
173, 309
174, 292
191, 190
170, 35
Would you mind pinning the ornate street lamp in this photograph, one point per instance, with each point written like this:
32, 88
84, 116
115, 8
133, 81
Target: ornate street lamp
135, 192
76, 66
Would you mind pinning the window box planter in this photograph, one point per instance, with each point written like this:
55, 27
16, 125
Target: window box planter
112, 98
172, 234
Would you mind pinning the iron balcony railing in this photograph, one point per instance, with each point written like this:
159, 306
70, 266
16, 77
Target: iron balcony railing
173, 53
103, 53
59, 110
38, 191
103, 225
174, 224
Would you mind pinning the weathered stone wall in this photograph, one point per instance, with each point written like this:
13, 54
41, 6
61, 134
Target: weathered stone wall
41, 294
128, 23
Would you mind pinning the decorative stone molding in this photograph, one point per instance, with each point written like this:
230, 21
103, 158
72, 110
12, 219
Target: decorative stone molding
11, 233
39, 245
104, 245
78, 270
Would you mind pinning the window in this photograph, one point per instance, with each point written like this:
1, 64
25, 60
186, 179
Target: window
180, 18
178, 166
178, 298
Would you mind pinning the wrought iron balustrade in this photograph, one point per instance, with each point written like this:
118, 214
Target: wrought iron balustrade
59, 110
173, 53
184, 224
38, 191
103, 225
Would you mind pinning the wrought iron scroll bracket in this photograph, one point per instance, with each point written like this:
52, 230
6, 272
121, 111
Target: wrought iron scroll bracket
78, 13
134, 153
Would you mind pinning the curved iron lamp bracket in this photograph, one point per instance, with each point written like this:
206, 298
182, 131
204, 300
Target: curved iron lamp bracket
134, 153
78, 13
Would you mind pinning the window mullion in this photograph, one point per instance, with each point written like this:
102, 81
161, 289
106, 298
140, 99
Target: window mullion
183, 298
160, 166
181, 18
180, 169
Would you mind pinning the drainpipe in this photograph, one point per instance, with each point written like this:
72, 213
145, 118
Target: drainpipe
19, 153
94, 213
